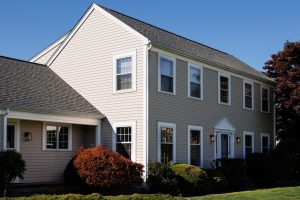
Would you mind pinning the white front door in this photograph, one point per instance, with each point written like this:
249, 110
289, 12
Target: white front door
224, 144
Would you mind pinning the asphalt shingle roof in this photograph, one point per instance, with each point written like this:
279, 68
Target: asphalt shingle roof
26, 86
187, 46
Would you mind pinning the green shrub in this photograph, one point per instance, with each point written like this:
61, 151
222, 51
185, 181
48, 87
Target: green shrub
192, 179
161, 178
218, 180
11, 166
234, 170
71, 176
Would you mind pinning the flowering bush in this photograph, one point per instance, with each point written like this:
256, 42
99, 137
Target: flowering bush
103, 168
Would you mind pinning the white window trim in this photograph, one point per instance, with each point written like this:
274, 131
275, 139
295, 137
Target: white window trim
229, 89
159, 75
45, 124
261, 92
199, 128
244, 142
133, 71
170, 125
201, 81
244, 93
131, 124
261, 143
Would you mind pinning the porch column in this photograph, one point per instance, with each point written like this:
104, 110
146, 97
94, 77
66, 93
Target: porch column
98, 134
3, 127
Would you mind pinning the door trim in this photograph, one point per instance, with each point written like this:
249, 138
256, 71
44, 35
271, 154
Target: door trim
217, 134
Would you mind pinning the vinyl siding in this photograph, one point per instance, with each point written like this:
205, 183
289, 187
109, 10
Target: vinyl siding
207, 113
47, 166
45, 57
86, 63
1, 130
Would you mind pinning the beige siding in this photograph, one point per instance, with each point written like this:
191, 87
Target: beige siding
45, 57
184, 111
46, 166
86, 63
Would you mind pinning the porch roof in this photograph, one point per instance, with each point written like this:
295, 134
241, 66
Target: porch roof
31, 87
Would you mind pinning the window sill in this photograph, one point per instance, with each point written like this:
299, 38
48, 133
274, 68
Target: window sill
169, 93
248, 108
267, 112
225, 104
124, 91
195, 98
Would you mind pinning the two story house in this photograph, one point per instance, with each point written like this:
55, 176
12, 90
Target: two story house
160, 96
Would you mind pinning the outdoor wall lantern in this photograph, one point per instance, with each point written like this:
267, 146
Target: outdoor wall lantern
237, 140
211, 138
27, 136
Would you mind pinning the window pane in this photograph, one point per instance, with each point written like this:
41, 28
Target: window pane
224, 96
195, 75
166, 135
63, 137
248, 102
195, 137
195, 155
166, 153
265, 100
248, 140
264, 94
124, 134
265, 142
248, 150
248, 89
10, 144
124, 82
124, 65
166, 67
124, 149
195, 90
166, 83
224, 83
265, 106
51, 137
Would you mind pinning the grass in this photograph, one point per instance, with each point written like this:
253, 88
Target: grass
287, 193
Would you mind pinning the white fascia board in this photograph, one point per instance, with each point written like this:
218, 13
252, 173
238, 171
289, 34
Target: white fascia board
92, 8
52, 118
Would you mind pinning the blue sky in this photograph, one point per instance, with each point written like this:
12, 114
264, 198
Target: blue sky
251, 30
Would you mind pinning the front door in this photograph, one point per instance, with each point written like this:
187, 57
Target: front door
224, 146
11, 138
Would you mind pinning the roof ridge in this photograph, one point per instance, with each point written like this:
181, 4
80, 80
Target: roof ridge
19, 60
163, 29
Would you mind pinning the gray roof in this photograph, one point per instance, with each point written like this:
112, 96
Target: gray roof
178, 43
26, 86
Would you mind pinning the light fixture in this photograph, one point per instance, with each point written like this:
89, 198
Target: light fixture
211, 138
27, 136
237, 140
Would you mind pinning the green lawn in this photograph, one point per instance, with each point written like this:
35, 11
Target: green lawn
287, 193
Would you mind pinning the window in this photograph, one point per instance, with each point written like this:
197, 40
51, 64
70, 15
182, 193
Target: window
124, 72
11, 137
166, 142
265, 143
195, 145
248, 143
264, 99
124, 139
195, 81
224, 89
57, 137
166, 74
248, 95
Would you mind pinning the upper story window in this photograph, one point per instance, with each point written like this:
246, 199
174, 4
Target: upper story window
224, 89
195, 81
248, 95
265, 99
57, 137
166, 142
124, 139
166, 74
124, 72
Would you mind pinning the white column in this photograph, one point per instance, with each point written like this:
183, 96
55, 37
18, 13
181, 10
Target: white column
98, 134
4, 132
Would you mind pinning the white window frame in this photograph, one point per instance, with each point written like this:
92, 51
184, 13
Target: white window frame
244, 94
16, 124
229, 88
131, 124
191, 65
133, 71
159, 75
45, 124
169, 125
197, 128
245, 133
261, 99
261, 141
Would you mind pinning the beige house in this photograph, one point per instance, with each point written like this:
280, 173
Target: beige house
154, 96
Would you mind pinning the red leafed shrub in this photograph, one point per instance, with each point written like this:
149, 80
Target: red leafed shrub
101, 167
